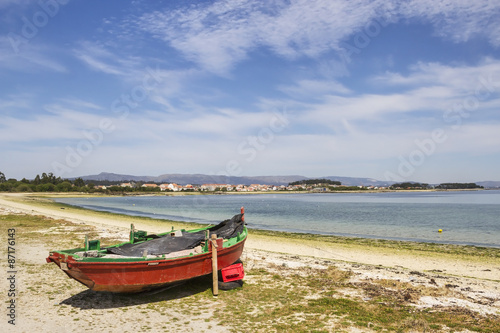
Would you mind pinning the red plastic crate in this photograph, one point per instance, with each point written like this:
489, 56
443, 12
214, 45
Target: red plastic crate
233, 273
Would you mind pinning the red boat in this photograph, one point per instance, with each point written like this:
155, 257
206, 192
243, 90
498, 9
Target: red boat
153, 261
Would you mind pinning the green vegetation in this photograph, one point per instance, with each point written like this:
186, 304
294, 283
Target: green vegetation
47, 182
322, 185
458, 186
443, 186
347, 188
408, 185
315, 182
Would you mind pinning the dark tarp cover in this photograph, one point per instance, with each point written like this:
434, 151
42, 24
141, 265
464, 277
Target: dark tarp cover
189, 240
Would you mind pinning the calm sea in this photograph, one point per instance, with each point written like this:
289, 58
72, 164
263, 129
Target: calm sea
468, 217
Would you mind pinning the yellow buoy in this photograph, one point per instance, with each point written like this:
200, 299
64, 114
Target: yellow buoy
440, 230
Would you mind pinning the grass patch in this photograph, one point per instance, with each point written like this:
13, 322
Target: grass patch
311, 300
40, 229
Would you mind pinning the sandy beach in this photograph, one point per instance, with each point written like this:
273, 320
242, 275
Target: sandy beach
49, 301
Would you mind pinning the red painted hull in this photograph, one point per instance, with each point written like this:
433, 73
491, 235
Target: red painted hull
136, 276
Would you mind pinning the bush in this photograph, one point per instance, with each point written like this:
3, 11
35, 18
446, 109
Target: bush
64, 187
46, 188
23, 188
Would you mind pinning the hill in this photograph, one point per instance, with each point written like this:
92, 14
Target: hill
221, 179
352, 181
196, 179
489, 184
183, 179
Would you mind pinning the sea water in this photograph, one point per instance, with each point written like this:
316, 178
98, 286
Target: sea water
465, 217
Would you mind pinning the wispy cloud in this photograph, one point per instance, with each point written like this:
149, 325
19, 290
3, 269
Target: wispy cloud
33, 58
457, 20
218, 35
14, 3
64, 121
98, 58
13, 104
460, 77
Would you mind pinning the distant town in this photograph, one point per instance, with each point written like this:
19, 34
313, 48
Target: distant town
50, 183
310, 185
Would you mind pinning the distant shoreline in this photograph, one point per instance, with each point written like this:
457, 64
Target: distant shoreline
186, 193
353, 191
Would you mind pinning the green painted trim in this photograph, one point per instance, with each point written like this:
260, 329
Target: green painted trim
229, 243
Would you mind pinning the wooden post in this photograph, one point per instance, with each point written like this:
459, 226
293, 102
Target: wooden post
132, 231
215, 278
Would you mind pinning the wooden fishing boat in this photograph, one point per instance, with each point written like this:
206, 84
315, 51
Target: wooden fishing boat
153, 261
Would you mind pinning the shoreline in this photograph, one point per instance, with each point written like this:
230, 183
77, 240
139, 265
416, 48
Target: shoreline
190, 193
279, 270
491, 243
430, 256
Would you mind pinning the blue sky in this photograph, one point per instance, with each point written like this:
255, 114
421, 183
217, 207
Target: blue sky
392, 90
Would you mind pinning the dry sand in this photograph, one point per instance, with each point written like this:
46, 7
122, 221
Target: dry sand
478, 282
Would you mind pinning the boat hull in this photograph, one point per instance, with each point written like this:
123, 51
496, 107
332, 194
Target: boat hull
141, 275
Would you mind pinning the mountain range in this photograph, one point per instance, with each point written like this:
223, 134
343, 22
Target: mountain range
183, 179
196, 179
220, 179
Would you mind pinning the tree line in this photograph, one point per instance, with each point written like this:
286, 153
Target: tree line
48, 182
408, 185
442, 186
315, 182
458, 186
